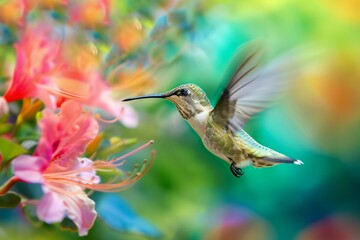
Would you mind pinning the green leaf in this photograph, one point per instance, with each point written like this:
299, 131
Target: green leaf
68, 225
9, 200
4, 117
30, 213
5, 128
10, 150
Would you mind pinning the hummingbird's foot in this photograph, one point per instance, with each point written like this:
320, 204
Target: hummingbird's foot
236, 171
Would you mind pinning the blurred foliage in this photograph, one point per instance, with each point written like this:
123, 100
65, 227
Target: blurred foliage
9, 200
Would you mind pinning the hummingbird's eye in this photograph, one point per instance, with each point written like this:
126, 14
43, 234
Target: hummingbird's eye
182, 92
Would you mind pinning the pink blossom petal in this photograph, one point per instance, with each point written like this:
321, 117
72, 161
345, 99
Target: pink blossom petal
66, 135
78, 129
124, 114
36, 56
51, 207
128, 117
21, 86
81, 210
49, 139
88, 173
49, 100
70, 111
29, 168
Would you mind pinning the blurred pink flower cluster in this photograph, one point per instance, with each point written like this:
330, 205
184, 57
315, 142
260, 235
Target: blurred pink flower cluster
58, 76
90, 13
56, 71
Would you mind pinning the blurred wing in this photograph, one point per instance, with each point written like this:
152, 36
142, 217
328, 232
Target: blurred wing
250, 88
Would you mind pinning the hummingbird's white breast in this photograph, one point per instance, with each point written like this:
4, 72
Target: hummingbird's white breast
199, 121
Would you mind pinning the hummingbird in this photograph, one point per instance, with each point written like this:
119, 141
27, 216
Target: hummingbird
220, 128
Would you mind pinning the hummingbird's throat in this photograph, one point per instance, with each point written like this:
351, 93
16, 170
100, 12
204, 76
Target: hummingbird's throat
184, 112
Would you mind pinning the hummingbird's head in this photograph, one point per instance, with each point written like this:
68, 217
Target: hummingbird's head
189, 99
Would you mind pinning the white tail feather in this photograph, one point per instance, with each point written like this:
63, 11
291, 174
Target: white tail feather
298, 162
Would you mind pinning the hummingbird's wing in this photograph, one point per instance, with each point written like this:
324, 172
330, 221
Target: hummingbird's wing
251, 87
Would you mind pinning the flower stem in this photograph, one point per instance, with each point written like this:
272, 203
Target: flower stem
6, 187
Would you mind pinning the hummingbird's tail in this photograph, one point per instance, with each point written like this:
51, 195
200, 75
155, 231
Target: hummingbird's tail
269, 161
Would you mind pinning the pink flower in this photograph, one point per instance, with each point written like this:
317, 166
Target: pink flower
37, 54
56, 71
63, 174
60, 198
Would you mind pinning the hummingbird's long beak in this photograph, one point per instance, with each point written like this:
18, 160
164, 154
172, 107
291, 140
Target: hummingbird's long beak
145, 96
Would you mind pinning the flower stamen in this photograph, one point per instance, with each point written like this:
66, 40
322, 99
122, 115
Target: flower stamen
101, 119
133, 152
